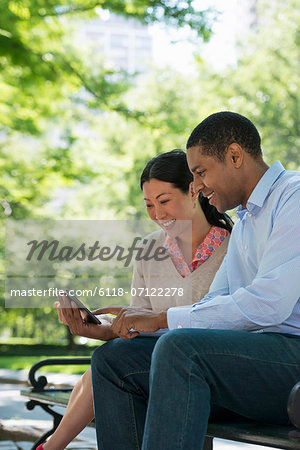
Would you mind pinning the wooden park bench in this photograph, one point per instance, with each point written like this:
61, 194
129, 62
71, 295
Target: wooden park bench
269, 435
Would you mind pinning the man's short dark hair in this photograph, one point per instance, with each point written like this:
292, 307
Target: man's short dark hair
215, 133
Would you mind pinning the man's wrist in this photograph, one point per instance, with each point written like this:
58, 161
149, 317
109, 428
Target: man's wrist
163, 321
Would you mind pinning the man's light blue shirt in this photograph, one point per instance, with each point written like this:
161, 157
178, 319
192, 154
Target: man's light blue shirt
257, 287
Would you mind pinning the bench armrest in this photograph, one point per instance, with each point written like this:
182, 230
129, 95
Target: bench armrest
41, 382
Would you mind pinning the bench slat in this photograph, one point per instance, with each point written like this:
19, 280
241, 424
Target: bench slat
276, 436
49, 396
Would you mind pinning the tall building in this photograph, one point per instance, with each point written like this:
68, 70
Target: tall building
246, 17
125, 43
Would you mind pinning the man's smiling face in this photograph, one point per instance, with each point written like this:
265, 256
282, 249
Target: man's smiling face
219, 181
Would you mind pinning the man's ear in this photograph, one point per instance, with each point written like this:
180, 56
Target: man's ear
235, 155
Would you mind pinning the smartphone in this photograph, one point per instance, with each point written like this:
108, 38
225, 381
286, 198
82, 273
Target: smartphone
91, 317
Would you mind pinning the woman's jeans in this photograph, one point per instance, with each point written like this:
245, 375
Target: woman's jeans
158, 394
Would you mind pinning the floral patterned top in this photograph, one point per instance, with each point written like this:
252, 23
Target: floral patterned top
212, 241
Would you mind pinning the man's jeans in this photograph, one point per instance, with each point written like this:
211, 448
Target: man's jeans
194, 373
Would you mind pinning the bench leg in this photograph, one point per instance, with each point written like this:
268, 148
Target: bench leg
56, 420
208, 443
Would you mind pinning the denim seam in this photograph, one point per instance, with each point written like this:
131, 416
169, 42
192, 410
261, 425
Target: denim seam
134, 421
134, 373
234, 355
133, 415
186, 411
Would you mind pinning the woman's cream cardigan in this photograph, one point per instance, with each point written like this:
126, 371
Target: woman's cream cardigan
153, 279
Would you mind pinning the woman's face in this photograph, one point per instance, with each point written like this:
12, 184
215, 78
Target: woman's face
167, 205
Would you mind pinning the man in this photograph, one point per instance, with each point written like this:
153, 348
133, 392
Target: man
237, 351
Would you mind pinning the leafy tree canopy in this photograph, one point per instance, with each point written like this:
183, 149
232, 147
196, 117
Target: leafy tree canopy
38, 62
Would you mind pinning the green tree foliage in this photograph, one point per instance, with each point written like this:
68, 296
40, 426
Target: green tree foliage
47, 87
265, 84
38, 62
262, 86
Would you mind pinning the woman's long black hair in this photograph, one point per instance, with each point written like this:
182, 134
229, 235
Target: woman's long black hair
172, 167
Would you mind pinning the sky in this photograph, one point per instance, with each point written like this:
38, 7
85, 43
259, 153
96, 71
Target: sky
220, 51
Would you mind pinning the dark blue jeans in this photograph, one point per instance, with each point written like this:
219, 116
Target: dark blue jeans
158, 394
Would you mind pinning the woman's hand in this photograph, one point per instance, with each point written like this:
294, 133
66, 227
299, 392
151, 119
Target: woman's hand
76, 319
130, 320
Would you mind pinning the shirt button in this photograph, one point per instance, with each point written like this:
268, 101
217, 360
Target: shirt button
179, 326
246, 247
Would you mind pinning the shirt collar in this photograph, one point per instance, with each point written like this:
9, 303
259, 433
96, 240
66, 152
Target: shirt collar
262, 189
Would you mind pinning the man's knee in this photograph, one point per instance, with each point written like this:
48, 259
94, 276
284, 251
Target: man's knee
123, 356
169, 340
107, 358
170, 345
178, 339
186, 342
99, 354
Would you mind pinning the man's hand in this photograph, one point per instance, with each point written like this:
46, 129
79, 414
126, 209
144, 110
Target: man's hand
130, 320
76, 320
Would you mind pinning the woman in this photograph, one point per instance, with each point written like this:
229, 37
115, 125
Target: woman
195, 236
